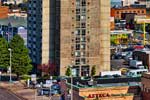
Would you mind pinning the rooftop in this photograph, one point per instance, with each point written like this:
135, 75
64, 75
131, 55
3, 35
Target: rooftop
105, 82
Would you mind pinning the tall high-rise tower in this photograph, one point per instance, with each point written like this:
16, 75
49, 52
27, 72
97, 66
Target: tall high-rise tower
70, 33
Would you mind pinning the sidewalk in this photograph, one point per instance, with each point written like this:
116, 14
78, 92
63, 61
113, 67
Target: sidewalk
20, 90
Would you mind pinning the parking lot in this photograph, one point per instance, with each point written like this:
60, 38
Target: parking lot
117, 64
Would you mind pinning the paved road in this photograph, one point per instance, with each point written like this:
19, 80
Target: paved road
117, 64
7, 95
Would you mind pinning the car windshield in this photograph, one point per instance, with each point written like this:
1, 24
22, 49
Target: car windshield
45, 89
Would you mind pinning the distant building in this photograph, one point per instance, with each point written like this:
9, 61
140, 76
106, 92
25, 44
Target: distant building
115, 4
128, 2
145, 2
13, 25
127, 14
118, 13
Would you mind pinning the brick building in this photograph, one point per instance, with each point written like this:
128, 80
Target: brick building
146, 86
118, 13
4, 12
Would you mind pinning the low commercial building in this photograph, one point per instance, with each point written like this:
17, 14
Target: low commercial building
105, 89
120, 36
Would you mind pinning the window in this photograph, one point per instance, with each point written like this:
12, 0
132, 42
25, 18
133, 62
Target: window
77, 2
77, 61
83, 25
77, 17
77, 54
83, 10
83, 3
83, 32
77, 32
77, 11
83, 17
77, 40
77, 46
83, 61
82, 54
83, 46
83, 39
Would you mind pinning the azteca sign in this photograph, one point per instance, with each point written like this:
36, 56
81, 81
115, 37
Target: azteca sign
99, 95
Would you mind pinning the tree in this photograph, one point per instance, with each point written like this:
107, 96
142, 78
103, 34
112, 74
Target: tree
93, 71
4, 53
68, 71
21, 62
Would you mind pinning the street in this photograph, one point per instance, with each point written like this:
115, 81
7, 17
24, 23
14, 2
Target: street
7, 95
117, 64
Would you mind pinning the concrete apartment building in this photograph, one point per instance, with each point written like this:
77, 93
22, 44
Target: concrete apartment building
72, 33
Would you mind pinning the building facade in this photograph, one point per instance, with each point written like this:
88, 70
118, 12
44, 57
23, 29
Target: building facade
119, 13
3, 11
107, 91
72, 33
145, 86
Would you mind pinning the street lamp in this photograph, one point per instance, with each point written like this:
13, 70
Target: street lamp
10, 55
51, 79
71, 83
71, 86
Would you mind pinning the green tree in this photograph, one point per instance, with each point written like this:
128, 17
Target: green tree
68, 71
21, 62
93, 70
4, 53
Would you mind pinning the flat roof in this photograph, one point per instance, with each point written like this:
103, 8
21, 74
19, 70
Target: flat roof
105, 82
106, 85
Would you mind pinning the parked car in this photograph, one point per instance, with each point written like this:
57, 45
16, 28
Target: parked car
43, 91
55, 87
